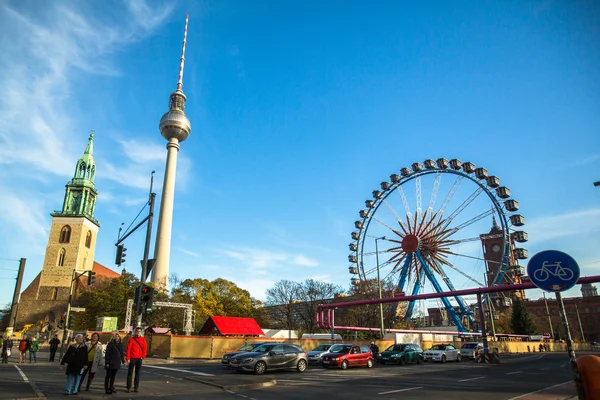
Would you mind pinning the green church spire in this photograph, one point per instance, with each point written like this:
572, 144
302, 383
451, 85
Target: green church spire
81, 193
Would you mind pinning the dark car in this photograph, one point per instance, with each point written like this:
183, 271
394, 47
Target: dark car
314, 356
244, 349
401, 354
348, 355
270, 356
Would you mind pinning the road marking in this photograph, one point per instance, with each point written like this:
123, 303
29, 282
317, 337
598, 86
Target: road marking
33, 386
471, 379
541, 390
401, 390
179, 370
516, 372
241, 395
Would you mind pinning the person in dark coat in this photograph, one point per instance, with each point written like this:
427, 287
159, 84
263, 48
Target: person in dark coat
113, 358
7, 345
54, 342
76, 360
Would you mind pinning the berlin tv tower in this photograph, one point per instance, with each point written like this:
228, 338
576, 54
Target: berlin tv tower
175, 127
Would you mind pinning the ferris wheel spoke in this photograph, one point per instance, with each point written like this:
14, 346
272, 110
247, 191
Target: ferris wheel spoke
444, 262
469, 222
395, 214
386, 225
419, 196
473, 239
450, 194
465, 203
404, 201
434, 191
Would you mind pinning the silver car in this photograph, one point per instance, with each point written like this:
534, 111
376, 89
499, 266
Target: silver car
270, 356
442, 353
314, 356
245, 348
470, 349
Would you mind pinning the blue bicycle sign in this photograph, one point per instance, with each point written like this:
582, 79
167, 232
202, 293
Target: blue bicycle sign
553, 271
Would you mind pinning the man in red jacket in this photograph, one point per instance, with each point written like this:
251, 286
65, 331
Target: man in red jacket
136, 352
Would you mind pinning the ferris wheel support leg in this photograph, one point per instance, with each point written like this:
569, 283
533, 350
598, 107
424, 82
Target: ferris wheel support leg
404, 272
464, 310
415, 291
438, 288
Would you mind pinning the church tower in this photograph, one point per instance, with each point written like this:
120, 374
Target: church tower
73, 232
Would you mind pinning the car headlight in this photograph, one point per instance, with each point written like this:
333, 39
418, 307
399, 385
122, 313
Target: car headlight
248, 360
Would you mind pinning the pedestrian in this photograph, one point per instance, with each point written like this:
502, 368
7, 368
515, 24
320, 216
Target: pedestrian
114, 357
54, 342
95, 360
374, 349
76, 360
34, 346
136, 352
7, 345
23, 344
541, 347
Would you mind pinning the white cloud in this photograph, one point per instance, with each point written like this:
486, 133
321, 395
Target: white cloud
581, 222
258, 258
305, 261
188, 252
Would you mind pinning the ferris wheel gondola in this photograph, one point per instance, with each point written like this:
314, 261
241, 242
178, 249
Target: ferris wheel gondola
425, 247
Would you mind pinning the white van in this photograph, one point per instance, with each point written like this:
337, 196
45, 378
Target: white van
321, 336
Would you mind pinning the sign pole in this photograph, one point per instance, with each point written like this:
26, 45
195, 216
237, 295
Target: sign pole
570, 350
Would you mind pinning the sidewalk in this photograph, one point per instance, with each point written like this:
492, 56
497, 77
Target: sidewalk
561, 391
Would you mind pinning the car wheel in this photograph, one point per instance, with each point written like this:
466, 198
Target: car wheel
301, 367
458, 358
401, 361
369, 363
443, 359
260, 368
344, 364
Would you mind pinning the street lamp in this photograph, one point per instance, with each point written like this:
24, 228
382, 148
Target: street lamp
379, 286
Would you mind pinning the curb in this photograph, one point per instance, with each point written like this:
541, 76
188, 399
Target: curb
258, 385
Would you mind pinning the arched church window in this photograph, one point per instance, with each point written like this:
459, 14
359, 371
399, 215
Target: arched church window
53, 294
65, 234
88, 239
61, 257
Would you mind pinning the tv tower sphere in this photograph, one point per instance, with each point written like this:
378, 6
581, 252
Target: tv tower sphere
175, 124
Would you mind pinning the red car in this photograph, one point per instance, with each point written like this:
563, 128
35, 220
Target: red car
348, 355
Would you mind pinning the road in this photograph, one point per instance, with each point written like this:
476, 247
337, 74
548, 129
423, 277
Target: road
514, 378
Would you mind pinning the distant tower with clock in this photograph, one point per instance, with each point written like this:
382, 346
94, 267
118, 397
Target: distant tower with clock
492, 251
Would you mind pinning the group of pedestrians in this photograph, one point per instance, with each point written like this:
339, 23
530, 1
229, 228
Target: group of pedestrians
26, 345
84, 359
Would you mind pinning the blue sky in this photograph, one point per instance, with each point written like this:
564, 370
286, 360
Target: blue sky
299, 110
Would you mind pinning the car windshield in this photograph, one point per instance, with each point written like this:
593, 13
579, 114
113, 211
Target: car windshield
265, 348
340, 348
322, 347
248, 347
469, 346
439, 347
396, 347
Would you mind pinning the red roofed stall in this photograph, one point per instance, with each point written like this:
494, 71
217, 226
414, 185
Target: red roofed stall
231, 326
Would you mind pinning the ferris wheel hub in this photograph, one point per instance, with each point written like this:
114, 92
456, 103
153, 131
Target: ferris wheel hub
410, 243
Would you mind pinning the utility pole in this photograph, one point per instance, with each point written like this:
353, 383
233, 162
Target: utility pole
379, 286
548, 314
580, 327
15, 303
138, 306
74, 276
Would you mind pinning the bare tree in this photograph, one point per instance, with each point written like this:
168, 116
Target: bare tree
281, 300
311, 293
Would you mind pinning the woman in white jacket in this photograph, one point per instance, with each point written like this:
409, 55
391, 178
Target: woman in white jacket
95, 360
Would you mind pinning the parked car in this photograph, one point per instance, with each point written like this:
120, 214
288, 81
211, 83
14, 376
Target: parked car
348, 355
442, 353
596, 345
314, 356
245, 348
270, 356
401, 354
470, 349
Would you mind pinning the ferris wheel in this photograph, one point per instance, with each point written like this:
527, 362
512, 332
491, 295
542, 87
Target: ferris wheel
408, 246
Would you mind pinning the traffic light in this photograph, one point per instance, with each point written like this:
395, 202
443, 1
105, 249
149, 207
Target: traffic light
120, 259
91, 277
61, 323
136, 296
70, 323
147, 297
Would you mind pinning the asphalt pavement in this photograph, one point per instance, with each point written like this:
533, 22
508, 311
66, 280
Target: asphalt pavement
519, 377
